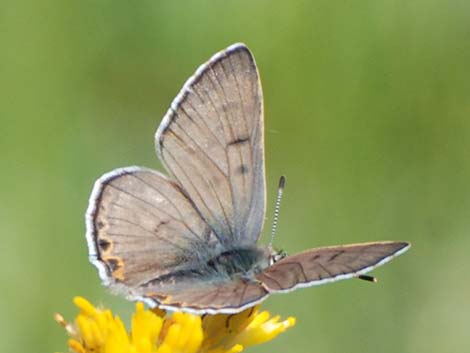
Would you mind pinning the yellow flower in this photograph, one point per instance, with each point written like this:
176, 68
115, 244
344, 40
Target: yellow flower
153, 331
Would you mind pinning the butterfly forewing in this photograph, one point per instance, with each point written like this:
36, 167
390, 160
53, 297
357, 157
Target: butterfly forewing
140, 226
329, 264
211, 141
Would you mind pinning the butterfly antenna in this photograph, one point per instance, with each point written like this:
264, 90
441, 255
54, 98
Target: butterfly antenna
367, 278
280, 189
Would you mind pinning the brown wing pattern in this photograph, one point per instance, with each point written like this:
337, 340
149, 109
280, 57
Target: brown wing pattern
211, 141
203, 297
140, 226
329, 264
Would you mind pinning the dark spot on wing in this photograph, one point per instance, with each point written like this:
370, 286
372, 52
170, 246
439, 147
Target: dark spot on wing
316, 256
334, 256
104, 244
99, 225
242, 169
113, 264
238, 141
162, 223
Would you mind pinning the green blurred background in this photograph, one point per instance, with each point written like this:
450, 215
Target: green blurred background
367, 114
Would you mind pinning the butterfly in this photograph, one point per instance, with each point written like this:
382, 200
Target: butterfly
188, 241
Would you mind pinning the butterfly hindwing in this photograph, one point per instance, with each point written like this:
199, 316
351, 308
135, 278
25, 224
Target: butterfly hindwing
211, 141
204, 296
140, 226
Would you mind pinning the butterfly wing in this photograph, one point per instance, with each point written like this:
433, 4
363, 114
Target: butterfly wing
140, 225
211, 141
328, 264
202, 296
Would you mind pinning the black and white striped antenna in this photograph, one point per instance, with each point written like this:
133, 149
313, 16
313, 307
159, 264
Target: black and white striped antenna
280, 189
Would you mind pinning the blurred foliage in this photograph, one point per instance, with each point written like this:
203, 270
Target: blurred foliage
367, 113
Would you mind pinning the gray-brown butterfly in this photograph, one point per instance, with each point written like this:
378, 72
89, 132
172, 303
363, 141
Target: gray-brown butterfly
188, 241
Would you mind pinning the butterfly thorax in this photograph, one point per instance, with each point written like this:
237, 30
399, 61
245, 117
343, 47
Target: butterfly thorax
241, 261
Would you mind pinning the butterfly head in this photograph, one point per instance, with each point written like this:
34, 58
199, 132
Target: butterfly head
276, 255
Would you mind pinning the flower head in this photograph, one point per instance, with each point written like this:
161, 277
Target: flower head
154, 331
